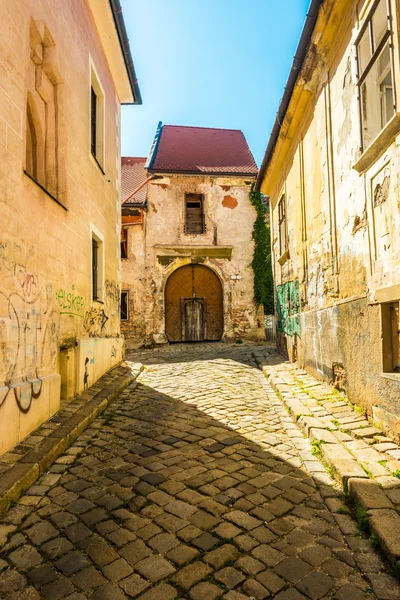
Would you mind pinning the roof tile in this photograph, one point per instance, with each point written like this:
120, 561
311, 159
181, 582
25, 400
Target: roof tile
132, 176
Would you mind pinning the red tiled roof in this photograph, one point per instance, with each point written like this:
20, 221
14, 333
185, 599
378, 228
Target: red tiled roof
203, 150
132, 176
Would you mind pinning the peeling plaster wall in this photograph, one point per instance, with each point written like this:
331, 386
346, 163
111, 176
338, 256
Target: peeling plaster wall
344, 247
160, 246
45, 250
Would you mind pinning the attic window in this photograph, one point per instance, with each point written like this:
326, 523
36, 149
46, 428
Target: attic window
194, 214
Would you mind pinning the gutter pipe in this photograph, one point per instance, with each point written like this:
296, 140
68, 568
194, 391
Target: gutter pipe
119, 22
137, 189
298, 61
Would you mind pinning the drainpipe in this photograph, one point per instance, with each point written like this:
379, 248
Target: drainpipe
116, 9
137, 189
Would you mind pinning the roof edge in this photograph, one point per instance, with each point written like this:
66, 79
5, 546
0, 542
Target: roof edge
154, 147
119, 22
214, 173
301, 53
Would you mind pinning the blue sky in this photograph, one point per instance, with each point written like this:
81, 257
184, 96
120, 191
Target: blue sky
209, 63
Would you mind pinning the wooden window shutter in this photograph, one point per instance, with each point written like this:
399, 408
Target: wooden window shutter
93, 121
194, 214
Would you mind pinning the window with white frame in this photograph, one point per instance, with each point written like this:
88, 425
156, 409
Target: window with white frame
375, 72
97, 115
97, 267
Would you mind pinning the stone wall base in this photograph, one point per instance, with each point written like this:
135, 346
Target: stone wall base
343, 345
26, 405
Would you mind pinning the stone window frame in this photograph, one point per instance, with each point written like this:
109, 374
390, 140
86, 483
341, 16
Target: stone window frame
368, 155
203, 219
97, 280
96, 88
375, 46
390, 316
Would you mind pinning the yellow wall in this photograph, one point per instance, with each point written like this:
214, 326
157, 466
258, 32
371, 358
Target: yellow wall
45, 248
343, 249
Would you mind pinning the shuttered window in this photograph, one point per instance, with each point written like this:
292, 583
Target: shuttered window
194, 214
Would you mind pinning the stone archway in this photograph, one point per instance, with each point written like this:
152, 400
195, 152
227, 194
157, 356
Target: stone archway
193, 305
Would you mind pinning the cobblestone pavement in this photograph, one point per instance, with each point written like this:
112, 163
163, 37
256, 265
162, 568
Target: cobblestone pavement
195, 483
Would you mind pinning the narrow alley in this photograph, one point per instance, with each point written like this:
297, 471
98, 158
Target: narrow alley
194, 483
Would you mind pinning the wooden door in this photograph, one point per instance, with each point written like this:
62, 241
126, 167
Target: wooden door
193, 282
193, 319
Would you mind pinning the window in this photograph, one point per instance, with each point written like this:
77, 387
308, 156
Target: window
194, 214
282, 226
375, 73
395, 329
391, 336
93, 119
97, 116
124, 242
124, 306
97, 267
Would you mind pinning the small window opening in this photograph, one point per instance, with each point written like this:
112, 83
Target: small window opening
395, 331
95, 269
124, 242
93, 122
194, 214
282, 226
124, 306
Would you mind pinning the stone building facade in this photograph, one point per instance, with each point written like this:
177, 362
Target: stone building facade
331, 169
64, 72
188, 222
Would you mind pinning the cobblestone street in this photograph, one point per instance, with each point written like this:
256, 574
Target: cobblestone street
195, 483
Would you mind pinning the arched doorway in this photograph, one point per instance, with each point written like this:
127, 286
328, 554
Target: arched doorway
193, 305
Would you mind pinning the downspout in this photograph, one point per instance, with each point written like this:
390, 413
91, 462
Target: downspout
137, 189
298, 61
119, 22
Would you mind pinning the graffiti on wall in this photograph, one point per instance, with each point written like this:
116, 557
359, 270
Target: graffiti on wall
100, 320
288, 307
28, 325
70, 303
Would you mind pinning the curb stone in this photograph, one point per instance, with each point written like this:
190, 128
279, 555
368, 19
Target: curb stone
27, 461
360, 456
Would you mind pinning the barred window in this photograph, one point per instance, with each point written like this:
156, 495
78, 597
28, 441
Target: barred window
194, 214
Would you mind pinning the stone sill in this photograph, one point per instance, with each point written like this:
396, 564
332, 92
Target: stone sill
379, 145
392, 376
